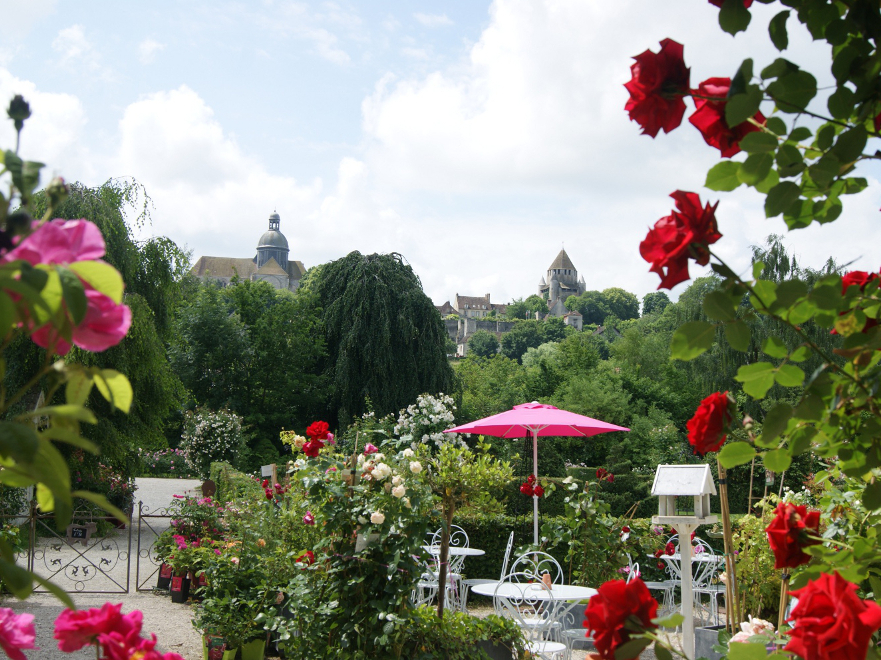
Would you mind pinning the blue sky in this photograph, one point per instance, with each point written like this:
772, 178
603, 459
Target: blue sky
474, 138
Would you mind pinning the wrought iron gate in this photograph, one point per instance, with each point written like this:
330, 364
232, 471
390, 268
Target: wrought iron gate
150, 525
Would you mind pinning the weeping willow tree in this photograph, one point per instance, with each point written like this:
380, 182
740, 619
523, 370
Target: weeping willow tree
385, 338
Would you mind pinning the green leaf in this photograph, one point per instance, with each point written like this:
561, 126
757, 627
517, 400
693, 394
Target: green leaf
799, 133
757, 378
777, 30
825, 136
102, 502
841, 103
777, 460
102, 277
73, 293
691, 339
738, 335
755, 168
662, 652
774, 347
747, 651
758, 141
781, 198
18, 580
66, 411
8, 315
741, 107
800, 354
826, 296
77, 388
736, 453
788, 375
758, 269
850, 144
789, 160
764, 186
719, 306
723, 176
777, 68
70, 437
733, 16
872, 501
45, 499
776, 125
775, 421
632, 648
18, 441
793, 91
114, 387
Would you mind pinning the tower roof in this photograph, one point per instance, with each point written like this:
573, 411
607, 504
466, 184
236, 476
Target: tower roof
273, 238
562, 261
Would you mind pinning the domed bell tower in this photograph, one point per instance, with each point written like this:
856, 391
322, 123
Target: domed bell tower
273, 244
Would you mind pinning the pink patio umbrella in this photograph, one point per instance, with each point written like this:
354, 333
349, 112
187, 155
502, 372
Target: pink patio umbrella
536, 419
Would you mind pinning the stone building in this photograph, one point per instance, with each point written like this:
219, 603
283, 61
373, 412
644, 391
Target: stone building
562, 282
270, 265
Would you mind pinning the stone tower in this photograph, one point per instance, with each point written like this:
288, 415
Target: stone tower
562, 281
273, 245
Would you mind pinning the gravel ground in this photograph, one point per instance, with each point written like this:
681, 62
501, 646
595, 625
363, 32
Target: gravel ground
171, 622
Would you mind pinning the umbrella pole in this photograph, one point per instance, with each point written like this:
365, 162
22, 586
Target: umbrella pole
535, 497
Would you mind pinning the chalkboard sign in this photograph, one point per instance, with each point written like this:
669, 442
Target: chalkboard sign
80, 533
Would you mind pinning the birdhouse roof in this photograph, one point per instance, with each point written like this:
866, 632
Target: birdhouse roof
688, 480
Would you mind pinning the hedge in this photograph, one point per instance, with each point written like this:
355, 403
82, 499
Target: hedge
232, 484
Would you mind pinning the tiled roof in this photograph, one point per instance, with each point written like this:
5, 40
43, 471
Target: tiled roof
473, 302
271, 267
562, 261
296, 269
224, 267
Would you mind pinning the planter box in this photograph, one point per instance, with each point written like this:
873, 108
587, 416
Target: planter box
704, 641
494, 650
180, 589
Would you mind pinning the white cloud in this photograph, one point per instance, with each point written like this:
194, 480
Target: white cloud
75, 50
147, 50
20, 17
433, 20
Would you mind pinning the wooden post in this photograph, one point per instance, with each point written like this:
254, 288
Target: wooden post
732, 599
684, 530
784, 599
749, 501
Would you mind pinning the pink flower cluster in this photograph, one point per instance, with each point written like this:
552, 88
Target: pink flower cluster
63, 242
118, 635
16, 633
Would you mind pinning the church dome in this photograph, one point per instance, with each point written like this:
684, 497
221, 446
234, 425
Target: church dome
273, 239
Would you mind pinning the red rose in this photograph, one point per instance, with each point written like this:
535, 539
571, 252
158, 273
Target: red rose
616, 612
660, 565
317, 430
858, 278
669, 549
718, 3
312, 448
307, 557
530, 479
657, 89
265, 483
877, 122
684, 235
790, 531
526, 489
268, 494
539, 491
601, 473
610, 477
708, 428
830, 622
625, 529
658, 553
709, 117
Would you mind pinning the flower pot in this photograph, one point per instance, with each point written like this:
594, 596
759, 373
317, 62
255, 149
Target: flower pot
704, 641
180, 589
254, 649
214, 648
164, 579
364, 540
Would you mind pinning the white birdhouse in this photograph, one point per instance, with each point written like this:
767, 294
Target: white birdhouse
672, 481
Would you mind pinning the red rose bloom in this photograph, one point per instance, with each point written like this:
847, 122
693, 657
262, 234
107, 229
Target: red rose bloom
312, 448
618, 611
539, 491
708, 428
307, 557
858, 278
684, 235
669, 549
709, 117
830, 622
530, 479
718, 3
527, 489
789, 532
661, 565
318, 430
602, 473
625, 529
657, 89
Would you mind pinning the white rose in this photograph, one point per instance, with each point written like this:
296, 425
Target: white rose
409, 453
377, 517
397, 480
362, 520
399, 491
415, 467
381, 471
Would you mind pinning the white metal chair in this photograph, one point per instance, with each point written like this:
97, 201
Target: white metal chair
528, 603
473, 582
706, 581
666, 588
538, 563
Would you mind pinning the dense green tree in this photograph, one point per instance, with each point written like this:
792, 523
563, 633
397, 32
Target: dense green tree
592, 305
489, 386
526, 309
385, 338
621, 303
483, 344
523, 336
654, 302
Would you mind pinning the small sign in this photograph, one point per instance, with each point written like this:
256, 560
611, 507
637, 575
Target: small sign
165, 571
177, 584
81, 533
215, 647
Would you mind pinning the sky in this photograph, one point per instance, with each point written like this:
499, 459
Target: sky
474, 138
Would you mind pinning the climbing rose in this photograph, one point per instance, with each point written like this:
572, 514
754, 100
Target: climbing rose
16, 633
830, 622
657, 89
861, 279
709, 117
708, 428
75, 629
377, 517
527, 489
617, 611
307, 557
317, 430
676, 238
60, 242
309, 519
789, 532
539, 491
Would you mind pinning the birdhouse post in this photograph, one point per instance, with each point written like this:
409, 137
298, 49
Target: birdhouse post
684, 481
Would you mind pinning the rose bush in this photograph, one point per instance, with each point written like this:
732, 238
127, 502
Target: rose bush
619, 611
707, 429
793, 529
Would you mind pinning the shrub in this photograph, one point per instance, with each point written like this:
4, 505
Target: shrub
232, 484
211, 436
164, 463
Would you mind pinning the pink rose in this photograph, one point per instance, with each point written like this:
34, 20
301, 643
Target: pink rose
370, 449
75, 629
60, 242
309, 519
16, 633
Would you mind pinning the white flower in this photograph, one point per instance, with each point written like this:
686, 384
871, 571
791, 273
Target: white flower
388, 487
415, 467
377, 517
381, 471
408, 453
362, 520
399, 491
397, 480
568, 480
